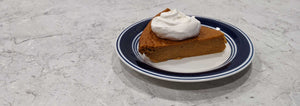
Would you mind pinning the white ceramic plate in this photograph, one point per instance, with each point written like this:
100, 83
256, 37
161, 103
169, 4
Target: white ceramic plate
194, 69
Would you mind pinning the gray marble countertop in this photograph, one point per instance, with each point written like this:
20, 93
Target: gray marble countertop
61, 52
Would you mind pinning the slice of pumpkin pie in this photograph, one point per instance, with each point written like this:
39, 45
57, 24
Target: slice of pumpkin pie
177, 38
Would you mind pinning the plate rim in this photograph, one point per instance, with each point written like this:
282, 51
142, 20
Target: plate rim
230, 72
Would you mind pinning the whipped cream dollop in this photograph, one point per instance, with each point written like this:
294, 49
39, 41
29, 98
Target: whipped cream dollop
175, 25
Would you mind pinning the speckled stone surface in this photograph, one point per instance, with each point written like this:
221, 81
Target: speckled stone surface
61, 52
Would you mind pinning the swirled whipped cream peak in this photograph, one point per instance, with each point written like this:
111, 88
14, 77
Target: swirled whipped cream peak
175, 25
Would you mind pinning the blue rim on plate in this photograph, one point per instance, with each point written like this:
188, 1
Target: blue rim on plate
243, 56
